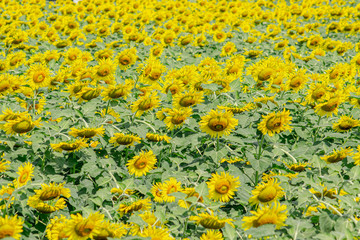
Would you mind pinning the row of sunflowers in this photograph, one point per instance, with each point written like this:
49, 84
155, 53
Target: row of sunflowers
179, 119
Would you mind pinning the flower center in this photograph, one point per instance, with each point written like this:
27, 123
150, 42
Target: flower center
140, 163
267, 194
187, 101
222, 186
116, 93
346, 125
87, 133
273, 123
83, 228
6, 231
295, 82
265, 74
145, 105
49, 194
103, 71
90, 94
218, 124
69, 147
24, 177
125, 60
177, 120
39, 77
330, 106
266, 219
22, 127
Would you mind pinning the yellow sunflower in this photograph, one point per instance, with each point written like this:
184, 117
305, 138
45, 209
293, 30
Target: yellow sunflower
268, 214
154, 233
153, 137
345, 124
151, 71
112, 92
266, 193
212, 235
145, 103
11, 227
156, 191
211, 221
190, 192
142, 164
46, 207
275, 122
126, 58
87, 93
337, 155
71, 146
80, 228
110, 230
356, 156
4, 165
87, 132
222, 187
124, 139
104, 71
25, 172
142, 204
38, 76
218, 123
168, 187
297, 80
55, 229
176, 117
330, 106
187, 99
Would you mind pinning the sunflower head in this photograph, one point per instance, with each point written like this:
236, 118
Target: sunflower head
218, 123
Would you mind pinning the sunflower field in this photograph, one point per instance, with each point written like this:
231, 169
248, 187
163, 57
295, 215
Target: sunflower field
179, 119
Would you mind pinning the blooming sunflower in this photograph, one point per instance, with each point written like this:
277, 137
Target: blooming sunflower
176, 117
266, 193
142, 204
337, 155
11, 227
126, 58
297, 80
228, 49
71, 146
345, 124
268, 214
237, 109
275, 122
55, 229
38, 76
145, 103
142, 164
80, 228
168, 187
124, 139
105, 71
87, 93
222, 187
112, 92
156, 191
218, 123
153, 137
25, 172
152, 71
212, 235
4, 165
190, 192
154, 233
46, 207
356, 156
211, 221
110, 230
330, 106
187, 99
87, 132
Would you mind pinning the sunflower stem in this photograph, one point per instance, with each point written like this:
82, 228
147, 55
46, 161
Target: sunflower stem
185, 227
317, 128
217, 144
107, 107
260, 146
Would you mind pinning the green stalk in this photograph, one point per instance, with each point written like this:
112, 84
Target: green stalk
260, 147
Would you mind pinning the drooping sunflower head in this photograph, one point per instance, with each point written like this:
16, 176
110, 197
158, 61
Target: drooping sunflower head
210, 221
124, 139
275, 122
79, 227
337, 155
266, 193
71, 146
21, 124
87, 132
126, 58
345, 124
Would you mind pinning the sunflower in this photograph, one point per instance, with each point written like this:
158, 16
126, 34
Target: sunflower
71, 55
145, 103
55, 229
222, 187
8, 199
268, 214
142, 204
52, 191
11, 227
88, 93
345, 124
185, 40
87, 132
150, 218
228, 49
124, 139
275, 122
337, 155
330, 106
38, 76
176, 117
80, 228
46, 207
154, 233
297, 80
237, 109
110, 230
317, 92
142, 164
152, 71
153, 137
25, 172
190, 192
113, 92
168, 38
4, 165
219, 36
105, 70
71, 146
211, 221
356, 156
266, 193
126, 58
156, 191
218, 123
157, 50
298, 167
187, 99
168, 187
212, 235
